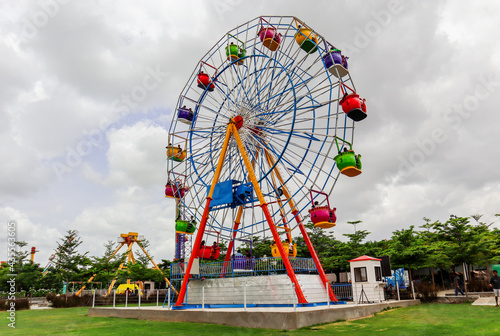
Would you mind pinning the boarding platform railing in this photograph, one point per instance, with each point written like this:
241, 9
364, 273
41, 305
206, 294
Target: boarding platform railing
245, 267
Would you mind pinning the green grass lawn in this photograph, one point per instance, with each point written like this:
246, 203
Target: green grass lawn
426, 319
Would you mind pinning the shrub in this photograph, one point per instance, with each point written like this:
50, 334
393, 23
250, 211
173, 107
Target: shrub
427, 292
66, 301
476, 285
20, 304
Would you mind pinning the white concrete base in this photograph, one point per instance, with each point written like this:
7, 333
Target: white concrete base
270, 317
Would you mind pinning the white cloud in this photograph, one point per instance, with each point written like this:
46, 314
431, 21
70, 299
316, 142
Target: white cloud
136, 157
22, 172
97, 225
36, 235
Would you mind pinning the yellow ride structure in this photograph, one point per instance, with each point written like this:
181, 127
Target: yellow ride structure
128, 257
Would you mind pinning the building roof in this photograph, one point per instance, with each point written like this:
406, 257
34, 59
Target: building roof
364, 257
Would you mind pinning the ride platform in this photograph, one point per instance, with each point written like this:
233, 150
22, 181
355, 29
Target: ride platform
289, 318
272, 290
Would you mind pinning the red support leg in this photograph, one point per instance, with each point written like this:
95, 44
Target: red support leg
315, 257
284, 255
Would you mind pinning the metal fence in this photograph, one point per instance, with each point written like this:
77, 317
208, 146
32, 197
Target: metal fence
154, 297
342, 291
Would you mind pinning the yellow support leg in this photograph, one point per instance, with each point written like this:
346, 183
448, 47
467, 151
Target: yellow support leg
119, 269
156, 266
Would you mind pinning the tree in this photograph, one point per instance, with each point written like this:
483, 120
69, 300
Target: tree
354, 223
494, 256
406, 249
489, 249
106, 265
139, 272
20, 255
139, 255
437, 256
323, 241
165, 267
260, 247
345, 251
27, 274
30, 276
465, 243
355, 240
463, 240
69, 263
223, 250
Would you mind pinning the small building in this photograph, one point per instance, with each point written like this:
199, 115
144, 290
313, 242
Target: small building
366, 275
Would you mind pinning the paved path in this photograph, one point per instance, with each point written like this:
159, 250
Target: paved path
34, 307
484, 301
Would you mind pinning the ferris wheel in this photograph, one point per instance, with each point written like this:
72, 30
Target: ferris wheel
263, 131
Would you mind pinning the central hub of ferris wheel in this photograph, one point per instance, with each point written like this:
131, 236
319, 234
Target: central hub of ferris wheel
255, 128
238, 121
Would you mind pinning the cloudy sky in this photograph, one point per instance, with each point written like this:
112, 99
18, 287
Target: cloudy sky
79, 153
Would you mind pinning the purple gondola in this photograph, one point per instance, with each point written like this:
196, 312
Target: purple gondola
336, 63
242, 263
185, 115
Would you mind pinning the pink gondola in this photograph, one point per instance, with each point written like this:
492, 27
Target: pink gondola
322, 216
270, 38
175, 189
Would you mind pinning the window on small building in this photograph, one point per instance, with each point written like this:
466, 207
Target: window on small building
378, 273
360, 274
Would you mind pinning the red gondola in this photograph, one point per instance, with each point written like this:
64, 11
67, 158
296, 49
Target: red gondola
204, 81
354, 107
209, 252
